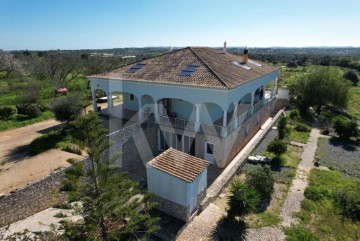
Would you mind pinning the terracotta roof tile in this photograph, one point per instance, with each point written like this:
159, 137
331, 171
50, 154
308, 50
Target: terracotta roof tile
215, 69
179, 164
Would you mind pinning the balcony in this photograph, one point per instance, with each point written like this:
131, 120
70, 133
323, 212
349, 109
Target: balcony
215, 128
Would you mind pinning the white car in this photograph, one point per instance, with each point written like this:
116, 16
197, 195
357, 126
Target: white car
259, 159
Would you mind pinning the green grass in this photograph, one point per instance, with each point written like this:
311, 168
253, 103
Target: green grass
265, 219
292, 156
321, 217
20, 120
354, 101
297, 136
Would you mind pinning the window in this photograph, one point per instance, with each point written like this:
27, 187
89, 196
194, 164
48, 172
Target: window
132, 97
188, 70
209, 148
135, 68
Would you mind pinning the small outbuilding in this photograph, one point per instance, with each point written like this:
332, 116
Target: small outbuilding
178, 181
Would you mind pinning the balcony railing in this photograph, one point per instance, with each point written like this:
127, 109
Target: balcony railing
212, 129
177, 123
122, 135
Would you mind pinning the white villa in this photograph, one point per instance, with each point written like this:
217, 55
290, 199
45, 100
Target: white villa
204, 102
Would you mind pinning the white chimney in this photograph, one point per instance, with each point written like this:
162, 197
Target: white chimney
225, 47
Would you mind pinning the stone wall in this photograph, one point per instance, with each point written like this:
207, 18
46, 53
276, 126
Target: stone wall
31, 199
171, 208
140, 148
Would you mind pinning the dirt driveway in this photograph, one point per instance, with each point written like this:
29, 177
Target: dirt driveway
18, 170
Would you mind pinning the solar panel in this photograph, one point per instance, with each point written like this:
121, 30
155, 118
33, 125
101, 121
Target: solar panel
188, 70
135, 68
132, 70
185, 73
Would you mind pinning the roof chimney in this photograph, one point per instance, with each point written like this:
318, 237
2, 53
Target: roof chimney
225, 47
245, 55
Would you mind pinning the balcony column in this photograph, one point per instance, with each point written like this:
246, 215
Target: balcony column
252, 103
197, 117
274, 87
156, 111
109, 103
264, 92
224, 129
93, 95
235, 116
140, 112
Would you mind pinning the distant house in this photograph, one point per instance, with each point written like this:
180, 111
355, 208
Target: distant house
206, 103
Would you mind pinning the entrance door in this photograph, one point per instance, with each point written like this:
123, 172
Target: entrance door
209, 152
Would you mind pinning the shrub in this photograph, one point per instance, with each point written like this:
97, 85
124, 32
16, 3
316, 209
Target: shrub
277, 147
315, 193
66, 107
299, 233
243, 199
348, 201
294, 114
6, 112
278, 161
282, 127
345, 128
352, 76
300, 127
30, 110
325, 131
262, 180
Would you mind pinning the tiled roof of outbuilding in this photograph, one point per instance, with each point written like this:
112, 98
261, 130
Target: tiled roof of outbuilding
179, 164
215, 69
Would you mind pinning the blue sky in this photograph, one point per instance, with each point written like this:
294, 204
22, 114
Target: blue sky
89, 24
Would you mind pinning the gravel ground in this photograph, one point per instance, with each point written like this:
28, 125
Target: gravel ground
339, 154
265, 234
202, 225
261, 148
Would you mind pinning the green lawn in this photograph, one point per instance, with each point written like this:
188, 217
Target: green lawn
321, 217
19, 121
354, 101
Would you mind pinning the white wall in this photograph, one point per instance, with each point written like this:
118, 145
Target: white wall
167, 186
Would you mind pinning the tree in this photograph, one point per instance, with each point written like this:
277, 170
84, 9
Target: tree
352, 76
262, 180
243, 199
65, 107
9, 64
277, 147
345, 128
321, 87
113, 207
58, 66
282, 127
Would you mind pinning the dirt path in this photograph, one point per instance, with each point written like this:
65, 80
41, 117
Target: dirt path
16, 171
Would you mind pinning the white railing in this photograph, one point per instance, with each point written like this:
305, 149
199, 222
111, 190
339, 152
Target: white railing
122, 135
177, 123
211, 129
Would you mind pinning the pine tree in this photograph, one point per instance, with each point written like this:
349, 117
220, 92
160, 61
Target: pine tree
112, 206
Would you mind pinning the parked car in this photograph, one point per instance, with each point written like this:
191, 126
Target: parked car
259, 159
